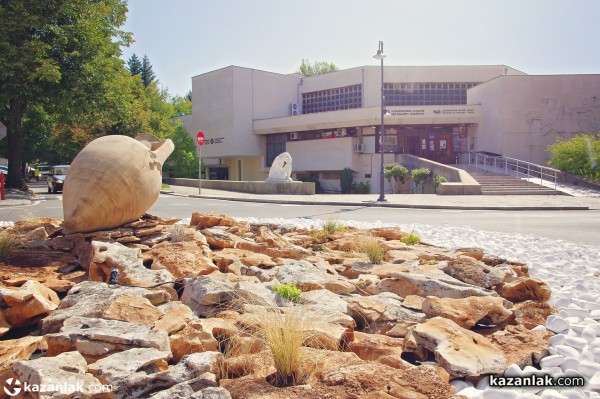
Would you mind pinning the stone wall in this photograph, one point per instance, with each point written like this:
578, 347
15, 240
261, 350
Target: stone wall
254, 187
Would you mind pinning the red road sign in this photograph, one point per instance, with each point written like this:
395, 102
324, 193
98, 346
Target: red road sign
200, 138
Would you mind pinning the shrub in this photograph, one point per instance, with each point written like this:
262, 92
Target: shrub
439, 179
420, 175
288, 291
7, 243
372, 247
411, 239
397, 172
361, 187
346, 180
329, 227
578, 155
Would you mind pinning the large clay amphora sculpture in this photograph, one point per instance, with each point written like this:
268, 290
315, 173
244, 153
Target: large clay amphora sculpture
112, 181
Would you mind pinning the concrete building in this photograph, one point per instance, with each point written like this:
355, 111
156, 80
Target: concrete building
332, 121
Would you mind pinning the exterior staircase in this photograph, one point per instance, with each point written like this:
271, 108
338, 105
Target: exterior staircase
499, 184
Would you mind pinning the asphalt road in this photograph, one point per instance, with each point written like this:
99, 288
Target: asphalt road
575, 226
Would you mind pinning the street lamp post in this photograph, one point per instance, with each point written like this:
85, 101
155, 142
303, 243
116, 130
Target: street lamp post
380, 56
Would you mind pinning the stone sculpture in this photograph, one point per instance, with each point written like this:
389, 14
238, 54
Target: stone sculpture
281, 169
112, 181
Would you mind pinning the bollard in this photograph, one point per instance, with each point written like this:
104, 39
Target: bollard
2, 197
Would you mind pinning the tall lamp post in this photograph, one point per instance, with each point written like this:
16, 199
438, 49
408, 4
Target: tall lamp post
380, 56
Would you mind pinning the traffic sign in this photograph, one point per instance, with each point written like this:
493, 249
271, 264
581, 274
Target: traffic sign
200, 138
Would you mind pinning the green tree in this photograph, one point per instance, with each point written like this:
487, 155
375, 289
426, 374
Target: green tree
134, 65
316, 68
183, 162
578, 155
49, 51
397, 172
346, 179
148, 76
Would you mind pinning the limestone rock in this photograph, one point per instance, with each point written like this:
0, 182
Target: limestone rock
473, 252
181, 259
19, 349
469, 311
471, 271
308, 277
379, 348
219, 238
532, 313
461, 352
98, 338
365, 310
395, 313
325, 299
522, 346
205, 220
175, 316
202, 294
4, 325
133, 309
524, 288
430, 282
66, 369
27, 303
191, 339
91, 299
128, 261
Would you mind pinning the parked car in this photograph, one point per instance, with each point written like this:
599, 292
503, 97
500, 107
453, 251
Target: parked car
4, 169
56, 177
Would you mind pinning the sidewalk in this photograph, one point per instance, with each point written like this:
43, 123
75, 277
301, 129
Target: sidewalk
421, 201
15, 197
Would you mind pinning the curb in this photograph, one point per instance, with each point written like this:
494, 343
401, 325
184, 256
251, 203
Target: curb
388, 205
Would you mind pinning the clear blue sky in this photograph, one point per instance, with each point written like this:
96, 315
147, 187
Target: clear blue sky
184, 38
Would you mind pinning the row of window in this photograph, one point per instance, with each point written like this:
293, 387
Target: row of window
426, 93
332, 99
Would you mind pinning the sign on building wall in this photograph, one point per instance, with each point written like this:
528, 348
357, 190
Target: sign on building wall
459, 139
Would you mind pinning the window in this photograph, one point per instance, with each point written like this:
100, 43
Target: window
426, 93
332, 99
275, 146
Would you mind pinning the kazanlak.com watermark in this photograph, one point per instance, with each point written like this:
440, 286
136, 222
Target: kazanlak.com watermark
13, 387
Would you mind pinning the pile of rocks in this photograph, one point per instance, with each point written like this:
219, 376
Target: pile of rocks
425, 322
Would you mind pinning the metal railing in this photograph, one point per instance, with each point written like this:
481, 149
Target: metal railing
515, 167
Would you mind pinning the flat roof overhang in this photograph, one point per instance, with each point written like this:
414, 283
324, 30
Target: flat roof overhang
413, 115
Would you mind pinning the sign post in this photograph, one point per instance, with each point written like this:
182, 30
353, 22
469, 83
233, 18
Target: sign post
200, 142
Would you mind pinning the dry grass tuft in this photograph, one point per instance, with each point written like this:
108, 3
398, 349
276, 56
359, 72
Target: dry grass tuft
177, 233
7, 242
373, 248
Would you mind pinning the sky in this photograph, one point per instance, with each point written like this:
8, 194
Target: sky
185, 38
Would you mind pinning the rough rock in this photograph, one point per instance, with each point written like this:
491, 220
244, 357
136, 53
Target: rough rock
181, 259
27, 303
394, 314
308, 277
471, 271
365, 310
461, 352
220, 238
19, 349
473, 252
532, 313
91, 299
98, 338
430, 282
4, 325
522, 346
133, 309
379, 348
525, 288
127, 261
205, 220
203, 294
174, 318
67, 369
469, 311
191, 339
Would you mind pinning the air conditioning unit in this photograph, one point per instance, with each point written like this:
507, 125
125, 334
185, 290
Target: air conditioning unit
359, 148
340, 133
294, 136
295, 109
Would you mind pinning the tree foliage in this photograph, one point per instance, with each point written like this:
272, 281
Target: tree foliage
148, 76
397, 172
316, 68
54, 55
183, 162
346, 179
134, 65
578, 155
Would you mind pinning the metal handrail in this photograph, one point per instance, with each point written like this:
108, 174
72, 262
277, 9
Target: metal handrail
516, 167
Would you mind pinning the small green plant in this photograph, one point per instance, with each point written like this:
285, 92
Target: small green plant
165, 186
439, 179
411, 239
346, 180
372, 247
288, 291
7, 243
428, 262
329, 227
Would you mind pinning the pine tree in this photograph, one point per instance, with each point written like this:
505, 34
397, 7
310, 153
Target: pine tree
134, 65
148, 75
